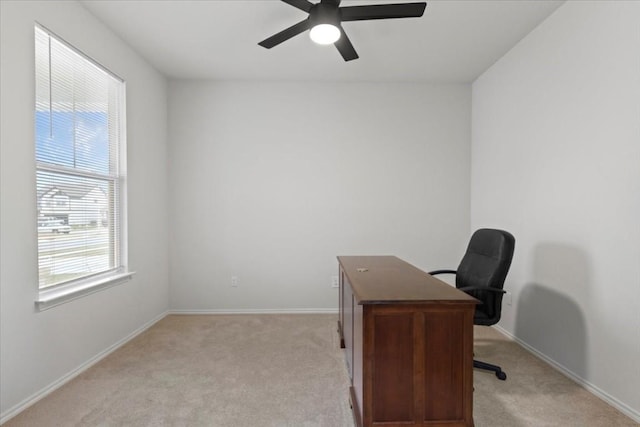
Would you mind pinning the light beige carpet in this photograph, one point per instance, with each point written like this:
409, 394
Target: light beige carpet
284, 370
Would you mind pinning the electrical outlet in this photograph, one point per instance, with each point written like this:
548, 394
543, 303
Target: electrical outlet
508, 298
335, 283
234, 281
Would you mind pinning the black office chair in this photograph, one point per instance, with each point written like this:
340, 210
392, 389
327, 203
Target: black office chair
481, 274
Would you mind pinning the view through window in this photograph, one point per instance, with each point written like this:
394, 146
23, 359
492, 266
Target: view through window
80, 167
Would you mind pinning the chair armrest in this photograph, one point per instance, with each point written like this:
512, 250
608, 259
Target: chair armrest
434, 272
482, 288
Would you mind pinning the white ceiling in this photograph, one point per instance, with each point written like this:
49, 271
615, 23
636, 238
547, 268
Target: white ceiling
455, 41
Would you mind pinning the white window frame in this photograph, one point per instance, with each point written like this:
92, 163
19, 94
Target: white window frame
67, 291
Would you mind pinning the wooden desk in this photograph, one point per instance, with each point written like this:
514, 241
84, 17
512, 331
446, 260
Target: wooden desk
408, 339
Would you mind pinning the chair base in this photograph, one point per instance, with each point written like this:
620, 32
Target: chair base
489, 367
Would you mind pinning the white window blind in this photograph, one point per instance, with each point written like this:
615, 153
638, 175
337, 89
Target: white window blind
79, 146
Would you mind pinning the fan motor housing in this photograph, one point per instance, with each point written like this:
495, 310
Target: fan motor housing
324, 13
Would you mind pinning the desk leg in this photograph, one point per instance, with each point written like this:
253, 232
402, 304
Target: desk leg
353, 402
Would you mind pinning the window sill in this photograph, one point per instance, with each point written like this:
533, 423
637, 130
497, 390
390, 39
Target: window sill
49, 298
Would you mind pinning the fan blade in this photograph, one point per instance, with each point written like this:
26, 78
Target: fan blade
300, 4
382, 11
285, 35
345, 47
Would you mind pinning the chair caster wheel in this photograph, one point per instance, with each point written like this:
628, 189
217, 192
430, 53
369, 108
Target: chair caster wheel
501, 375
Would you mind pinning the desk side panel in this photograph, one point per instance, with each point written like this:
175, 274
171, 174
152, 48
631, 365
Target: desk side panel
348, 325
341, 306
359, 368
418, 365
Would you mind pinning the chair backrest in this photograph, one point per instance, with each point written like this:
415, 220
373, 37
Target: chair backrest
486, 264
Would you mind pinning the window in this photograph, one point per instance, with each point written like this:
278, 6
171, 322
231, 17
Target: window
80, 165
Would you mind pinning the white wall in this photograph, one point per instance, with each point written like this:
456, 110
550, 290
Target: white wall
271, 181
556, 160
37, 349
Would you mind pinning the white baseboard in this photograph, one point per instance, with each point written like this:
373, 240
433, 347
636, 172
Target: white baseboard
258, 311
622, 407
12, 412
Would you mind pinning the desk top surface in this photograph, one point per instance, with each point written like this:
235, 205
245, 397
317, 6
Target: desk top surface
388, 279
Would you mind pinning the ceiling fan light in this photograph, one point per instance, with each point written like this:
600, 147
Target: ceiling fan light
325, 34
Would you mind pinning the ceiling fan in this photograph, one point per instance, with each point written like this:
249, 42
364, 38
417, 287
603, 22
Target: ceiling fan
325, 20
